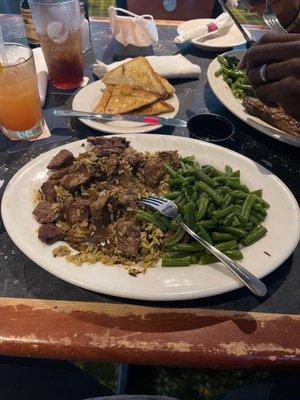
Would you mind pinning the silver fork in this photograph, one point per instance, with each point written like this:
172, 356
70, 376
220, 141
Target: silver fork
271, 19
169, 209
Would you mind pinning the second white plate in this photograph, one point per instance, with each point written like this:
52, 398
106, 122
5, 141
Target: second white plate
224, 94
215, 42
88, 97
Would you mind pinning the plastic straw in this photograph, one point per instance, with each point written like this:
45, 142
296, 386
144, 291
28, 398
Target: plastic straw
2, 49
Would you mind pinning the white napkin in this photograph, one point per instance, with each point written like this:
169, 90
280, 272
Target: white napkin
171, 67
137, 30
42, 73
219, 24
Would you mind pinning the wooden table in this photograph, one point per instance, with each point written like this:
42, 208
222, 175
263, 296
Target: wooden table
42, 316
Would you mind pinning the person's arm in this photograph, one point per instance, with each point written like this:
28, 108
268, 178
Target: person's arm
281, 54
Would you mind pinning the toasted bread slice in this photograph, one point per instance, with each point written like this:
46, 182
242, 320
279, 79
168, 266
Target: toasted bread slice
124, 99
169, 88
101, 106
159, 107
137, 74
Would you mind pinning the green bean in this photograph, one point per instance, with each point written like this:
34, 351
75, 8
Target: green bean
254, 235
260, 209
229, 81
246, 208
207, 223
187, 247
239, 202
238, 194
240, 233
224, 189
222, 236
188, 180
228, 219
195, 258
177, 181
223, 61
236, 185
227, 200
233, 73
223, 212
148, 217
218, 73
262, 202
175, 262
237, 173
213, 171
188, 160
202, 232
172, 195
202, 206
201, 175
173, 174
190, 215
210, 209
236, 221
253, 219
173, 225
257, 215
216, 198
178, 235
258, 192
228, 170
208, 258
230, 245
224, 178
166, 221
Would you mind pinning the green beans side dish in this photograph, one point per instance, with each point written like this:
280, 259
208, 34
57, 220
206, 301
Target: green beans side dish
236, 79
217, 205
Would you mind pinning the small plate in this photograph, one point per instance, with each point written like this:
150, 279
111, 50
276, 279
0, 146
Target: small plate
214, 42
88, 97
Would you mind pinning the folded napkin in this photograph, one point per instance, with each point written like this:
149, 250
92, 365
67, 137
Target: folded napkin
171, 67
219, 24
42, 73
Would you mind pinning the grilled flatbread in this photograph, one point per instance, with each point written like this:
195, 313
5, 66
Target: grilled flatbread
124, 99
137, 74
159, 107
169, 88
101, 106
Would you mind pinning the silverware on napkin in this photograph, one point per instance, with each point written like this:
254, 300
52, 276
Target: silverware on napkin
121, 117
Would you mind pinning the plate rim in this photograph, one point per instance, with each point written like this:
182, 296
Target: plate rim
276, 133
108, 129
227, 287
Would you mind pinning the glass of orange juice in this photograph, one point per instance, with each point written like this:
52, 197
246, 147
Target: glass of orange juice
20, 108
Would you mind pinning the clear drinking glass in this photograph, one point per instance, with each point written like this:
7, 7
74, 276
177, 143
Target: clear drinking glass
57, 23
20, 108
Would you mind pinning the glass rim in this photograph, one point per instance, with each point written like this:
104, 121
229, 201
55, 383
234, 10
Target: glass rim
56, 2
23, 61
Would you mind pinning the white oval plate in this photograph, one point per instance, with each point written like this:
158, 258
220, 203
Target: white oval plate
214, 42
158, 283
88, 97
224, 94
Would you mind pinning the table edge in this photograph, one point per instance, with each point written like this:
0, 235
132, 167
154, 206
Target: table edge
184, 337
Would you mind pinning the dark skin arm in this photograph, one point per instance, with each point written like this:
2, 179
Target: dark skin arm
281, 54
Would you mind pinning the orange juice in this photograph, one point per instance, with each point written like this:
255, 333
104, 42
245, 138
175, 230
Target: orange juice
20, 109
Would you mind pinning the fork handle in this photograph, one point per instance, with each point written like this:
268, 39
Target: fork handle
252, 282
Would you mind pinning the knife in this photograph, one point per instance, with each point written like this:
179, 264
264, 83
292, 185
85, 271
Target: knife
249, 41
121, 117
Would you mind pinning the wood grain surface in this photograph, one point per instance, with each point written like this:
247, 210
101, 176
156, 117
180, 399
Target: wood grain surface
148, 335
